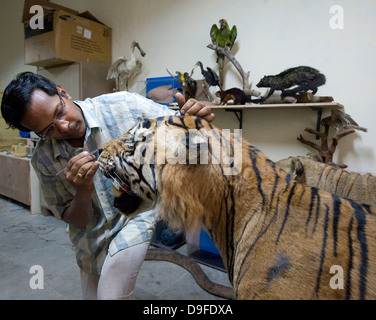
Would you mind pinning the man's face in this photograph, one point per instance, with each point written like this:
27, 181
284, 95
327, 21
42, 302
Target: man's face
57, 117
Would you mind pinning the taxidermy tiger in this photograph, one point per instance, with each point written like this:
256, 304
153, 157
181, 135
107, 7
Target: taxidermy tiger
278, 239
303, 78
359, 187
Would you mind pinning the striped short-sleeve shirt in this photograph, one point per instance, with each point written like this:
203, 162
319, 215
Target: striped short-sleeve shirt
107, 117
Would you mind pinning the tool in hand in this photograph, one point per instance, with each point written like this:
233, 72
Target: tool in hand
61, 171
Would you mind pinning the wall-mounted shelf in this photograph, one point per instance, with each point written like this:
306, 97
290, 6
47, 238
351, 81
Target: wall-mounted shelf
317, 106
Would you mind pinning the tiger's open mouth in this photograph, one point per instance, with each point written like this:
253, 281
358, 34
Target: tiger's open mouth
127, 202
125, 199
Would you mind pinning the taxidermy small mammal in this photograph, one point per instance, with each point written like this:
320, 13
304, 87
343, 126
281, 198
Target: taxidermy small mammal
235, 94
303, 77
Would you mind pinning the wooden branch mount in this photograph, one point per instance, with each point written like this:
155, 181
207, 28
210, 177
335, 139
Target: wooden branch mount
325, 150
194, 269
226, 52
307, 97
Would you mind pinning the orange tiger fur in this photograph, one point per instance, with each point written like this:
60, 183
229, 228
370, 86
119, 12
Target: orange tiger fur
278, 239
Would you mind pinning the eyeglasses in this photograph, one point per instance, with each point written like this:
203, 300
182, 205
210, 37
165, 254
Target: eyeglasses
49, 131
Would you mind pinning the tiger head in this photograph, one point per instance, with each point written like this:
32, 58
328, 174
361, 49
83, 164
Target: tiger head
133, 176
152, 162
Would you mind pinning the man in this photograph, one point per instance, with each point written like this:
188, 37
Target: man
109, 247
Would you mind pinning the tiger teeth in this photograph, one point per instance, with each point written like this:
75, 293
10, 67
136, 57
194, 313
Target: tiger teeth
116, 192
116, 184
118, 188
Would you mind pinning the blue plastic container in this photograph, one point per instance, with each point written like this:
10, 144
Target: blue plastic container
206, 243
152, 83
24, 134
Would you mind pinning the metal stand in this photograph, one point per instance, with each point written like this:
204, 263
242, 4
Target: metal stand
239, 115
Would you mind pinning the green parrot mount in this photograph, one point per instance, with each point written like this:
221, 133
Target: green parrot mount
223, 37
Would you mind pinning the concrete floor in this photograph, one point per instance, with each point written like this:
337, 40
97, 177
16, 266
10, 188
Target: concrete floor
27, 240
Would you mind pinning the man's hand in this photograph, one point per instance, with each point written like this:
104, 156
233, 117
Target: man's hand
194, 108
80, 171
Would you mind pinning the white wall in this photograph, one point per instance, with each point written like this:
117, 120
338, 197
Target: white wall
12, 41
273, 35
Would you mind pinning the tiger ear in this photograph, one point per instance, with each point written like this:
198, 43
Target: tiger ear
299, 168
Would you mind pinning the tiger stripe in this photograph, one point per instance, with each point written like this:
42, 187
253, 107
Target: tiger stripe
350, 260
324, 243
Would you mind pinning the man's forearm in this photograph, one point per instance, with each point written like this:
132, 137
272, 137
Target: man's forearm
80, 212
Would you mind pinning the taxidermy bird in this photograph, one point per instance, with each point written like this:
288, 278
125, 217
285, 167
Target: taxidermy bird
181, 78
209, 74
188, 84
339, 120
123, 69
223, 37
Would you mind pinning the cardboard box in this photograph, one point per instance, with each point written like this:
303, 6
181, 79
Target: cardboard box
66, 36
19, 150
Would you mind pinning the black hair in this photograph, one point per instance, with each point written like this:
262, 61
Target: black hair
17, 95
